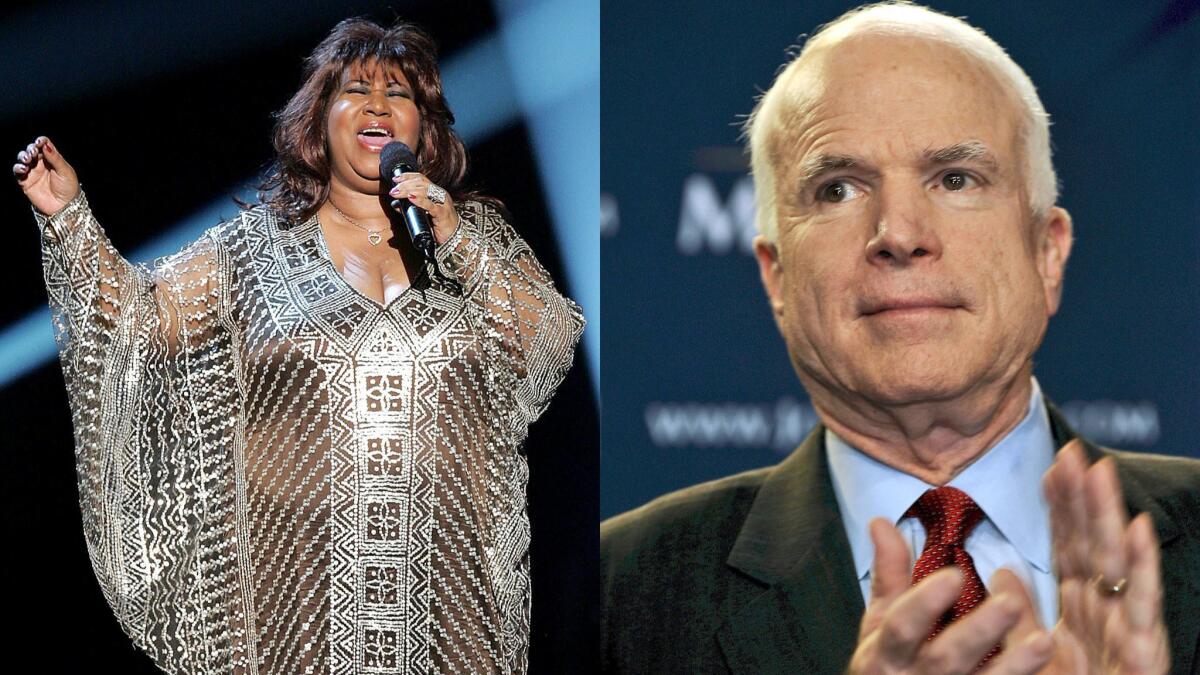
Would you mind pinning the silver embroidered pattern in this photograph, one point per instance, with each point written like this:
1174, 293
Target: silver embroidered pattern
278, 474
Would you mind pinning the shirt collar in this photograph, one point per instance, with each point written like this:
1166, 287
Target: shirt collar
1005, 482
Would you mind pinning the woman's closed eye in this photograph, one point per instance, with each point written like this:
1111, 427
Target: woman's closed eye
364, 91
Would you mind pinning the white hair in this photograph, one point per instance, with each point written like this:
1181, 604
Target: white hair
903, 18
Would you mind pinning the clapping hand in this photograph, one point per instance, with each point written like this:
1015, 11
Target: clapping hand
1110, 586
898, 619
1110, 595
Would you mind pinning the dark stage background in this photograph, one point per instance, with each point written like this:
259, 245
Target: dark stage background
164, 109
697, 382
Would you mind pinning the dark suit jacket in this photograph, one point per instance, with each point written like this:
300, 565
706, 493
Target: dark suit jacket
753, 573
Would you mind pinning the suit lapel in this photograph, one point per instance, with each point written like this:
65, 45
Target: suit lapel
793, 542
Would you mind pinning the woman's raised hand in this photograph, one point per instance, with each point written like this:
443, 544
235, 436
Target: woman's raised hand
45, 177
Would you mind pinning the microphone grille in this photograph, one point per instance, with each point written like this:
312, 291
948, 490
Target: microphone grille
396, 154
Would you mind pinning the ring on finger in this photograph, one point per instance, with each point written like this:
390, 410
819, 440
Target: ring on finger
1108, 588
436, 194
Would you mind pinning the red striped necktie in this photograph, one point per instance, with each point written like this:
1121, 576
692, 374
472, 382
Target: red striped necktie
948, 516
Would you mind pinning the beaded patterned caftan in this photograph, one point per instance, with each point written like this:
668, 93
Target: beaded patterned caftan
278, 475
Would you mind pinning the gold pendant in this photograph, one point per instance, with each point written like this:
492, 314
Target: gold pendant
374, 238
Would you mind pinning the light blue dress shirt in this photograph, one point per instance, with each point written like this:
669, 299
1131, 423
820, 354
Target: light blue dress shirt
1005, 482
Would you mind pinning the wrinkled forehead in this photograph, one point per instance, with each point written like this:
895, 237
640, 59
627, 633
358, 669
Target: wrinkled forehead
902, 91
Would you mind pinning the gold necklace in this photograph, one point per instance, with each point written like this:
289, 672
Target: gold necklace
373, 236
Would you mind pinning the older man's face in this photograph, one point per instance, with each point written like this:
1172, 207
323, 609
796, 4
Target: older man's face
907, 267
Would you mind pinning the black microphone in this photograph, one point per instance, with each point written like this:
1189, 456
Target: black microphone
396, 158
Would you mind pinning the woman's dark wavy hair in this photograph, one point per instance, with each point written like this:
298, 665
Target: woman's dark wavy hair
298, 180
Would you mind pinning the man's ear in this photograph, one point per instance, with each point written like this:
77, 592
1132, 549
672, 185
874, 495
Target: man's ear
770, 271
1054, 247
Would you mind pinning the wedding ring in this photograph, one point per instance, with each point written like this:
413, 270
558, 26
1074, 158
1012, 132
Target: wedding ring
1109, 589
436, 194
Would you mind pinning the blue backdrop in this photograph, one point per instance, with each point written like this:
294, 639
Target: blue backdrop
697, 383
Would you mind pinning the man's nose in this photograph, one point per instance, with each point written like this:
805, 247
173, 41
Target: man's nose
904, 232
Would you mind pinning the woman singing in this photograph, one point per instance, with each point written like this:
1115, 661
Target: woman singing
298, 446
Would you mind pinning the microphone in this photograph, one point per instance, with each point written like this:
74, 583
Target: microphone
396, 158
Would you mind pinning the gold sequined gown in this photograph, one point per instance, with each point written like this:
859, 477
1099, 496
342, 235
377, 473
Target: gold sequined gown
278, 475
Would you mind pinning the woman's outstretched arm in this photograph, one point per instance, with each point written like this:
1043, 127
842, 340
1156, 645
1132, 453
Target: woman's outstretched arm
133, 341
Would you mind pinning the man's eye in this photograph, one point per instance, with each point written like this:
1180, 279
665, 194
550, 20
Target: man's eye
837, 191
955, 181
398, 93
357, 90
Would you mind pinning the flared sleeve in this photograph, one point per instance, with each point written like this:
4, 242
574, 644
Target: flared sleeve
138, 345
529, 329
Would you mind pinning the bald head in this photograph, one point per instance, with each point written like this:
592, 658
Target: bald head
922, 53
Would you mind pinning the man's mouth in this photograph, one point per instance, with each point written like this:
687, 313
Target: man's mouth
912, 305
